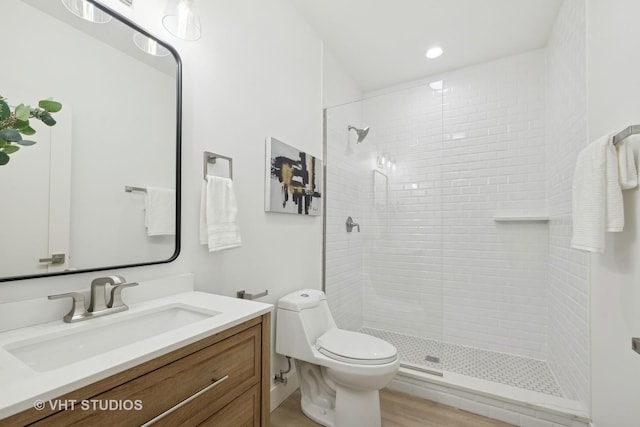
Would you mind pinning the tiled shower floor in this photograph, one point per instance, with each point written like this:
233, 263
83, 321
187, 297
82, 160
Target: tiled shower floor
522, 372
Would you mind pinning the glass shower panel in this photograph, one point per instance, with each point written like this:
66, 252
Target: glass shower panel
386, 280
346, 173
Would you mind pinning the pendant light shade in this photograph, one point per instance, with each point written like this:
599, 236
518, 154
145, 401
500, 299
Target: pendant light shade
86, 11
182, 20
148, 45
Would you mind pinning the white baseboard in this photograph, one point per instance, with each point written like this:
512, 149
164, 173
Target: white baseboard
280, 392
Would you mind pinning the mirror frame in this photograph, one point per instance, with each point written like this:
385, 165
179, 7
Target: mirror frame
178, 154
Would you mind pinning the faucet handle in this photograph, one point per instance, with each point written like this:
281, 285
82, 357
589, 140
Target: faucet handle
108, 280
99, 294
78, 310
116, 297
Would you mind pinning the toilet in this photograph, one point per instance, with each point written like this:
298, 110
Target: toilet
340, 372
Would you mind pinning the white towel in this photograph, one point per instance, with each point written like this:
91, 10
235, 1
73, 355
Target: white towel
626, 165
597, 198
160, 211
218, 215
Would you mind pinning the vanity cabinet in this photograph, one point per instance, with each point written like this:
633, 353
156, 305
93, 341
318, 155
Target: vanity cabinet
222, 380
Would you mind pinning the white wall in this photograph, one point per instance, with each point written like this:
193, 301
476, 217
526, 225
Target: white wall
255, 73
338, 87
614, 103
566, 135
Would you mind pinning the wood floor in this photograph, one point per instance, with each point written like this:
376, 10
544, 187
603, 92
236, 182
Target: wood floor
398, 410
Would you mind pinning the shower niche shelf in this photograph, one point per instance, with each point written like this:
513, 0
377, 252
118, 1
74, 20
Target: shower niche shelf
521, 218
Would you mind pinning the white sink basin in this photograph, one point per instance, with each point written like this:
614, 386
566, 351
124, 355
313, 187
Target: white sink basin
89, 339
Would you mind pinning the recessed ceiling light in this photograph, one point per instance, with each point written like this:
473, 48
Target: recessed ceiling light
434, 52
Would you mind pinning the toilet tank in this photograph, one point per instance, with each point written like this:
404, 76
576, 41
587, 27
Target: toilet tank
302, 316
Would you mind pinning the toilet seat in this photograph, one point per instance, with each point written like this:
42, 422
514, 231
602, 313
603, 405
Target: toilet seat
355, 348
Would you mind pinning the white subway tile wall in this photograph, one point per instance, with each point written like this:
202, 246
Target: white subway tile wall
566, 136
495, 274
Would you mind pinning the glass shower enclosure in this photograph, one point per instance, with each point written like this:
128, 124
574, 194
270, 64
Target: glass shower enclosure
435, 267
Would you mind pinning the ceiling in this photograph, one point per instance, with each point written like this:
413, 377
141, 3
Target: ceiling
382, 43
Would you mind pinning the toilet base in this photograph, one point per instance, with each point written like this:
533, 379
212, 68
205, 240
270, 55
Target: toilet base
357, 408
334, 405
353, 408
323, 416
318, 397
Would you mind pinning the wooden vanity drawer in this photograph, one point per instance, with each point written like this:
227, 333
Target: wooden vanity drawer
238, 357
242, 412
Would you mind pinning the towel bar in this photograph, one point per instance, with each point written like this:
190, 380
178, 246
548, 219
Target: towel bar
211, 158
130, 189
625, 133
245, 295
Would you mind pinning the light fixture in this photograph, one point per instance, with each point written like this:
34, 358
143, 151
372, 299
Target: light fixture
181, 20
148, 45
434, 52
436, 85
381, 162
87, 11
385, 162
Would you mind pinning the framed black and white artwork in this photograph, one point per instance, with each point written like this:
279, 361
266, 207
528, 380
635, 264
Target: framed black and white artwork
293, 180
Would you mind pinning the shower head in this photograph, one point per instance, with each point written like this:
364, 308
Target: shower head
362, 133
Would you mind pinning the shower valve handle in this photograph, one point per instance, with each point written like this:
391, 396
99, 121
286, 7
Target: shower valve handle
351, 225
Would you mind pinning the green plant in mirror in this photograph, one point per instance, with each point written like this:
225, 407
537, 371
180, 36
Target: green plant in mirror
14, 124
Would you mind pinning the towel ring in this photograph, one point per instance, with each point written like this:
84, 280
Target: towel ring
210, 158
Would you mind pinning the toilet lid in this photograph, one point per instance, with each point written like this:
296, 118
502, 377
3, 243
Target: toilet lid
355, 347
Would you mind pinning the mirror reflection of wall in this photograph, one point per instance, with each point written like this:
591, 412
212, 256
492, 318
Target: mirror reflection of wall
119, 114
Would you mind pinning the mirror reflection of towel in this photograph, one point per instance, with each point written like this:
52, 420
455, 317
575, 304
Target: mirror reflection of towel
160, 211
219, 228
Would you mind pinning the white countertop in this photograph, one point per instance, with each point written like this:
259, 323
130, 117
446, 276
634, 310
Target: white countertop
21, 386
